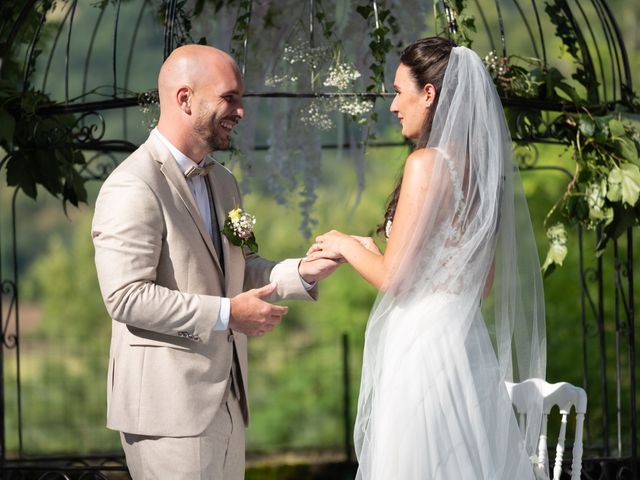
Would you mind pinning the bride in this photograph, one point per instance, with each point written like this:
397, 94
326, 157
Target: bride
460, 309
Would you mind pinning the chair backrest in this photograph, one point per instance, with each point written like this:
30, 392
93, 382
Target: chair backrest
564, 395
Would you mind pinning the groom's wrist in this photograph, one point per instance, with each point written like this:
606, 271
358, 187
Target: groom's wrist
222, 323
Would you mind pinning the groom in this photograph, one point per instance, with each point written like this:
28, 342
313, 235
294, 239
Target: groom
183, 299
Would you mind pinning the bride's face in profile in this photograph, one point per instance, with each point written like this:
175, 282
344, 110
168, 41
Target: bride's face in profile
410, 104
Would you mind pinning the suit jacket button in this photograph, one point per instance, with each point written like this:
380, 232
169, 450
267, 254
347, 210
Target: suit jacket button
196, 338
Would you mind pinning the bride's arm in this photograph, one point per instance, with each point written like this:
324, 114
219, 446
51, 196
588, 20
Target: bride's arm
376, 268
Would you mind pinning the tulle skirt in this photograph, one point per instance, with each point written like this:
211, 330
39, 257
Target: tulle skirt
433, 405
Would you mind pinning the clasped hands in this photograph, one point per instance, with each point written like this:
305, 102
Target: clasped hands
335, 245
254, 316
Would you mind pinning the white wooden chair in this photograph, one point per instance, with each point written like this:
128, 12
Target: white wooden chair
564, 395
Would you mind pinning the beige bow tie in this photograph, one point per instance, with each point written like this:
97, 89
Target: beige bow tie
196, 170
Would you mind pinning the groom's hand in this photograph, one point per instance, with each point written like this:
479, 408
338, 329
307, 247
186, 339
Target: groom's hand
314, 270
253, 316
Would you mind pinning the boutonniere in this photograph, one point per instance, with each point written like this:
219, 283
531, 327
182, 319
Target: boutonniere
238, 228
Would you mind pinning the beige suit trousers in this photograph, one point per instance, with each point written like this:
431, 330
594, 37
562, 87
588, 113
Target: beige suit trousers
216, 454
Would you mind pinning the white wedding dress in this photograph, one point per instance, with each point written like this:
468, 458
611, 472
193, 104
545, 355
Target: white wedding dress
433, 404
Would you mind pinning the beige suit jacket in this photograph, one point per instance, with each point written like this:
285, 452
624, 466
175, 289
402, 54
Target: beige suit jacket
161, 282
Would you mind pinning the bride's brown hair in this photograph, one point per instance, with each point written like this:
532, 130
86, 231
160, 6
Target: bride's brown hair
427, 60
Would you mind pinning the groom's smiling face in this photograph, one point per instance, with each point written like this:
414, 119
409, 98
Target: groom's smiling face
218, 107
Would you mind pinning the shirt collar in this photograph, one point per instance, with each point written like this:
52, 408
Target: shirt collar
183, 161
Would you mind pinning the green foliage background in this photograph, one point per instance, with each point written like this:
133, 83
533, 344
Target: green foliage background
296, 388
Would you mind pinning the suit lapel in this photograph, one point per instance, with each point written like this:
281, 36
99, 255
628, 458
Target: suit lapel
176, 178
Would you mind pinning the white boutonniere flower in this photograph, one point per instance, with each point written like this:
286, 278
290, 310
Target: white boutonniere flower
238, 228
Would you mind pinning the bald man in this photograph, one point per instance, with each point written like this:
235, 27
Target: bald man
183, 299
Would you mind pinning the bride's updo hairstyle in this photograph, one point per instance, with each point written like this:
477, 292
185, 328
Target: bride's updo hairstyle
427, 60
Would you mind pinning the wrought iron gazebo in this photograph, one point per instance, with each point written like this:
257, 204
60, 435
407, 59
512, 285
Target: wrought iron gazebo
81, 102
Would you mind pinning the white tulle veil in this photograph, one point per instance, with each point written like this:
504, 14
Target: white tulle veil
430, 355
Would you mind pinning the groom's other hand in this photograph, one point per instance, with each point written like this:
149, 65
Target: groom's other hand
314, 270
253, 316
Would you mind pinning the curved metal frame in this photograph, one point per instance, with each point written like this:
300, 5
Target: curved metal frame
89, 135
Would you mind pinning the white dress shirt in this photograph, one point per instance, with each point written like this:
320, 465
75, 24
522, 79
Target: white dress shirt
200, 195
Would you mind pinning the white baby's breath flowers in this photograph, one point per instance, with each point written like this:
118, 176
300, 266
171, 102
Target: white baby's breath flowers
313, 57
242, 223
275, 80
238, 228
354, 106
317, 116
496, 65
341, 76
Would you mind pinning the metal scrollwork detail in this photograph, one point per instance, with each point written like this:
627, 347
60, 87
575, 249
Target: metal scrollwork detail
10, 340
85, 133
99, 166
527, 156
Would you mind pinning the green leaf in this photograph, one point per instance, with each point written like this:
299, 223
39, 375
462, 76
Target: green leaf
585, 175
548, 270
569, 92
627, 148
7, 127
46, 168
20, 175
616, 127
586, 126
577, 208
364, 10
624, 218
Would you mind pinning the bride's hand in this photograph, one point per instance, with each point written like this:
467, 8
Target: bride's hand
328, 245
368, 243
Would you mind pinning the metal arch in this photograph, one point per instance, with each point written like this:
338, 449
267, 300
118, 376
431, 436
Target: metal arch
53, 49
626, 93
486, 26
66, 56
503, 38
92, 141
597, 48
170, 19
92, 40
587, 62
245, 42
115, 49
125, 117
537, 14
526, 23
612, 48
28, 65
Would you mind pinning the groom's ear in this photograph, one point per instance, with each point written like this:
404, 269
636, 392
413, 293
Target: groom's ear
183, 98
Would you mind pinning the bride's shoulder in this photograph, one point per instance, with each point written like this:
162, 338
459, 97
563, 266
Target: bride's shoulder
421, 159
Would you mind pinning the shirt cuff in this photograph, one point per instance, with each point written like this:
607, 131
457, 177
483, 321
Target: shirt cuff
307, 286
225, 314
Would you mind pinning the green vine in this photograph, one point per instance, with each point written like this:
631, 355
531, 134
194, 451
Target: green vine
241, 30
453, 21
380, 44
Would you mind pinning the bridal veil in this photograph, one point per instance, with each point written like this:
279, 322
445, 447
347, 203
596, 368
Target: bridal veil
438, 350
